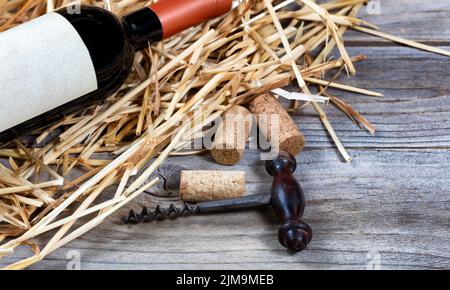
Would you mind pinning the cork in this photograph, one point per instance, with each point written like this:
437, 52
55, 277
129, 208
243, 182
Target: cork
276, 124
207, 185
232, 135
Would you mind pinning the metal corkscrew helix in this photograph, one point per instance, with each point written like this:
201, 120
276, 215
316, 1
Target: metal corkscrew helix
286, 197
161, 213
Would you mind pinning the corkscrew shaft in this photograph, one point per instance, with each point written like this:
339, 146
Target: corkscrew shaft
186, 209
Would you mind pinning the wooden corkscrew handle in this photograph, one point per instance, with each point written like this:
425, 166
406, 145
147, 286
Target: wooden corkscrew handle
288, 201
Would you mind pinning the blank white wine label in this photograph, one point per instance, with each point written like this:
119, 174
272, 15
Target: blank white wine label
43, 64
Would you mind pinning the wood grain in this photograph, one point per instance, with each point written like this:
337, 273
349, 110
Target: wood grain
414, 112
393, 200
427, 22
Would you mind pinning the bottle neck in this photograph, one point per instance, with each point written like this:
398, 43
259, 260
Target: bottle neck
166, 18
143, 26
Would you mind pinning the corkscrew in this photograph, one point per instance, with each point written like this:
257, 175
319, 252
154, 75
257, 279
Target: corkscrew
175, 211
286, 197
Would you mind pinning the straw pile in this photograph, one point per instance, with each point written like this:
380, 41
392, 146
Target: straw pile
175, 88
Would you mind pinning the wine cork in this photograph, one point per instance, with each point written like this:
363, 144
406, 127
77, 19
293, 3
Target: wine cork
232, 135
276, 124
207, 185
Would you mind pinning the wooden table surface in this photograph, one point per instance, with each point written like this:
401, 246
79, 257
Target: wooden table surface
387, 209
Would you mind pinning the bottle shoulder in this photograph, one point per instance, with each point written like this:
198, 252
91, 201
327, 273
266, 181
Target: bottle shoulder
102, 32
105, 37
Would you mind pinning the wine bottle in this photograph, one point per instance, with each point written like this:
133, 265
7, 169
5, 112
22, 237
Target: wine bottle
68, 59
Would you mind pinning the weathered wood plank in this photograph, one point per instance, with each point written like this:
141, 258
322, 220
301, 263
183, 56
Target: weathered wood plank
414, 112
390, 199
391, 203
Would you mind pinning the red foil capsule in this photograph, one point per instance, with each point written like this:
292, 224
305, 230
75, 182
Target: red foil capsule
176, 16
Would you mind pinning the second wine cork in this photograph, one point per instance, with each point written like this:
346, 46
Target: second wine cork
206, 185
276, 124
232, 135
